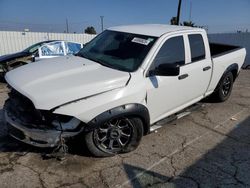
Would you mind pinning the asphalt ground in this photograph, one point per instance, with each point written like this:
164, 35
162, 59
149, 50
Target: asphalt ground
208, 148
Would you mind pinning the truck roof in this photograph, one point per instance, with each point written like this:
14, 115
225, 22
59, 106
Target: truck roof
155, 30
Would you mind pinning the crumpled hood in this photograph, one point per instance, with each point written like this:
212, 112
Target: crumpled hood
53, 82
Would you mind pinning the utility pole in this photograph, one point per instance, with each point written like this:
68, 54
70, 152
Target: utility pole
178, 13
102, 22
190, 12
67, 26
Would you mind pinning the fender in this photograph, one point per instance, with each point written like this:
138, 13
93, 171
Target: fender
234, 69
125, 110
231, 68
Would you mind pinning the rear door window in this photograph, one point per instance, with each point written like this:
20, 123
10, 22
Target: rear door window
197, 47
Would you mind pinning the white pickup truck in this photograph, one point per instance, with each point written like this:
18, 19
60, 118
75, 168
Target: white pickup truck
118, 86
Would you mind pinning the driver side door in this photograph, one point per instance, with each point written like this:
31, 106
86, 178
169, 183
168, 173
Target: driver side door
166, 93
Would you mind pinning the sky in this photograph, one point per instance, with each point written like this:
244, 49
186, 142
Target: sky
50, 15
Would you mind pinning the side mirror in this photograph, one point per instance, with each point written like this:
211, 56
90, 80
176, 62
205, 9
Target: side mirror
166, 70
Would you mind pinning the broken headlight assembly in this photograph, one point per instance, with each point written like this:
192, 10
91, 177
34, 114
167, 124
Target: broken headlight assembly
60, 122
22, 108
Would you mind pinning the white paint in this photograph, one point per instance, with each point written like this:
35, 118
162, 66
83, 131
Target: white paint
152, 29
170, 88
62, 80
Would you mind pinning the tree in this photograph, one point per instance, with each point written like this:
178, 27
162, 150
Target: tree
90, 30
173, 21
189, 23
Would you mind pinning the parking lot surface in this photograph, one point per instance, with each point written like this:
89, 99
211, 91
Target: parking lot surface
208, 148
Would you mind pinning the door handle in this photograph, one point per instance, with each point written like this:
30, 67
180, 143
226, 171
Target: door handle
206, 68
182, 76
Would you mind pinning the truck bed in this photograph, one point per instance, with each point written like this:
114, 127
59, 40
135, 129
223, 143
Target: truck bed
219, 49
222, 57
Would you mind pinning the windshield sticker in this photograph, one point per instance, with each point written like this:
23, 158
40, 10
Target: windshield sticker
141, 41
150, 39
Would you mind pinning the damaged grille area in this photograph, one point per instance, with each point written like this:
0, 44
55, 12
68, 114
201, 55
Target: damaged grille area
22, 109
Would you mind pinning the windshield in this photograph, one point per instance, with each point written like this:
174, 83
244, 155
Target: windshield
118, 50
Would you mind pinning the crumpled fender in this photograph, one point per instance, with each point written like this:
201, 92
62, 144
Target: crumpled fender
138, 110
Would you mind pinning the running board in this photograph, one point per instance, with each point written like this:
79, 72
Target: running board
176, 116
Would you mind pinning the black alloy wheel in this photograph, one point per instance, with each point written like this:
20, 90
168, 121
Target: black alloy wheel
224, 88
117, 135
114, 135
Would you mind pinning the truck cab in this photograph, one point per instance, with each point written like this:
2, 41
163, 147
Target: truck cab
189, 52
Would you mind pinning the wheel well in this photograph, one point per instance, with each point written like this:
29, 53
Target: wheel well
234, 72
146, 128
128, 110
233, 68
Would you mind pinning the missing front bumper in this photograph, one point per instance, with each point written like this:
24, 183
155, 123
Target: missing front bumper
35, 137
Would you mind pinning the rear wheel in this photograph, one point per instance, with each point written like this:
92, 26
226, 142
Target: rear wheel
224, 88
118, 135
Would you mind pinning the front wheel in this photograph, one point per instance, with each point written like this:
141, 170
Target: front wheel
118, 135
224, 88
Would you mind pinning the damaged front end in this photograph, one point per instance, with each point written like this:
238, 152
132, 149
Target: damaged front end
40, 128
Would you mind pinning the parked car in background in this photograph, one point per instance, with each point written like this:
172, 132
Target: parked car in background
38, 51
10, 61
56, 49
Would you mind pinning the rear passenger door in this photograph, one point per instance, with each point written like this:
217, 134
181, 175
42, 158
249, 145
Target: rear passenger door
198, 67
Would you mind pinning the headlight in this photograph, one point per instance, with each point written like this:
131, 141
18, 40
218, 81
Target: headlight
49, 117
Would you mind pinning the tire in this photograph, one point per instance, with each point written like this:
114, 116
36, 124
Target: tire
118, 135
224, 89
